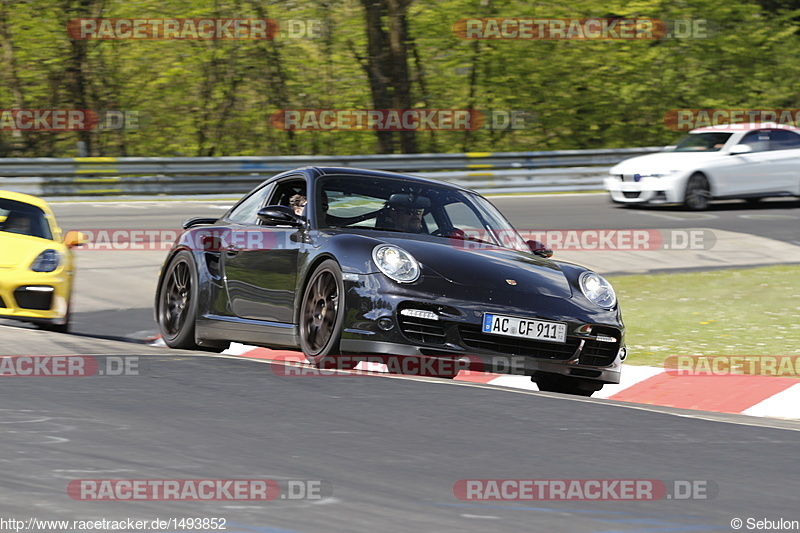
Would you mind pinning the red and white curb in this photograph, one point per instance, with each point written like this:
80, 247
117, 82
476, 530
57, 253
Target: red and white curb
765, 396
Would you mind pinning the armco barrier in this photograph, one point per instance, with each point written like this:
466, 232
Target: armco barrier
562, 170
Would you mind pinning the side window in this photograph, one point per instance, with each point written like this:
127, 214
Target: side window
291, 193
245, 212
784, 140
757, 140
462, 217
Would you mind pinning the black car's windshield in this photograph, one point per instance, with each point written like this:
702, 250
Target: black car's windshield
23, 219
702, 142
397, 205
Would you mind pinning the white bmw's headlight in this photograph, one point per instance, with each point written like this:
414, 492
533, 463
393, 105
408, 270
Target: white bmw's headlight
396, 263
664, 174
597, 290
46, 261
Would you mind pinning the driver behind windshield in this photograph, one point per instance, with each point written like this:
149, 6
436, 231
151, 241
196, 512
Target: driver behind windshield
403, 212
404, 218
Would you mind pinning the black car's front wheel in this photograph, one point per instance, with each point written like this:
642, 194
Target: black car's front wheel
322, 314
177, 302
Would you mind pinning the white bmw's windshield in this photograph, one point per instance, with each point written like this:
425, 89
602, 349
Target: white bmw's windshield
703, 142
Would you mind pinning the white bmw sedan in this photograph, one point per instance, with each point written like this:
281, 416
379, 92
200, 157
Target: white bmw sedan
733, 161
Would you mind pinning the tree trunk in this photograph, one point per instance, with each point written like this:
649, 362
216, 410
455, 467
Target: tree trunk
78, 72
377, 66
399, 71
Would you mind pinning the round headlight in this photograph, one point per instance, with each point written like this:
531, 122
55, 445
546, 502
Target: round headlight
396, 263
598, 290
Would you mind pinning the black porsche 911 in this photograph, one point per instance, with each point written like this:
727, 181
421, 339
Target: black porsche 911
344, 261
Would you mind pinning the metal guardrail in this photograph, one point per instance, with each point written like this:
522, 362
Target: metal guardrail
562, 170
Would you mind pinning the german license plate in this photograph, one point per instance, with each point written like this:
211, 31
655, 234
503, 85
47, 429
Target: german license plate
526, 328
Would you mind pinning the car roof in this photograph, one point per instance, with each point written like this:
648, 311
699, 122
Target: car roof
318, 172
26, 199
728, 128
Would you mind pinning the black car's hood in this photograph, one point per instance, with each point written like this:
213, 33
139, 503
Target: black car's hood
487, 269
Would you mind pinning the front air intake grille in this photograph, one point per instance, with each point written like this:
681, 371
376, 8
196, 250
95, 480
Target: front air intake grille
601, 353
422, 330
36, 300
631, 194
474, 338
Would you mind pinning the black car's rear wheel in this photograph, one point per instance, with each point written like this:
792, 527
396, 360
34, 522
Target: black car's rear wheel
322, 314
698, 193
177, 302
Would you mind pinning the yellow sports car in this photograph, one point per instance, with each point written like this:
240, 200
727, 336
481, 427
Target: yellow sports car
36, 264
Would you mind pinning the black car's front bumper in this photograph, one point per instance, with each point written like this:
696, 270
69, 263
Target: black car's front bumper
374, 324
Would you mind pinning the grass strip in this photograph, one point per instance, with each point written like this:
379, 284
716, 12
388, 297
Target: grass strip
753, 311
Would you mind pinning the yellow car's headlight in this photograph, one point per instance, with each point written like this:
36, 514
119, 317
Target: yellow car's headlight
46, 261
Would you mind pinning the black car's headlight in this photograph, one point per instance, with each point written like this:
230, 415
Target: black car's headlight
597, 290
396, 263
46, 261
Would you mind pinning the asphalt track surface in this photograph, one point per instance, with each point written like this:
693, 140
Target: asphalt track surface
391, 448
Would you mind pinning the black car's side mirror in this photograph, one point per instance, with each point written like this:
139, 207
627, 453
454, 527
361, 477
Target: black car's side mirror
538, 248
280, 215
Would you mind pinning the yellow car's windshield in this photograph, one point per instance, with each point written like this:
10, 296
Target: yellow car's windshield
23, 219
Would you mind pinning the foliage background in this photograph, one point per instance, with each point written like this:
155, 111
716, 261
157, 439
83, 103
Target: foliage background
215, 98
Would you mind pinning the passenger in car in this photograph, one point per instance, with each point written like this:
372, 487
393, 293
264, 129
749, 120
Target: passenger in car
18, 223
298, 203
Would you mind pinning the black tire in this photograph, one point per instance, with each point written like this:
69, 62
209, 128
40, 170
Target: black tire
176, 310
753, 202
566, 385
698, 193
63, 327
321, 317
